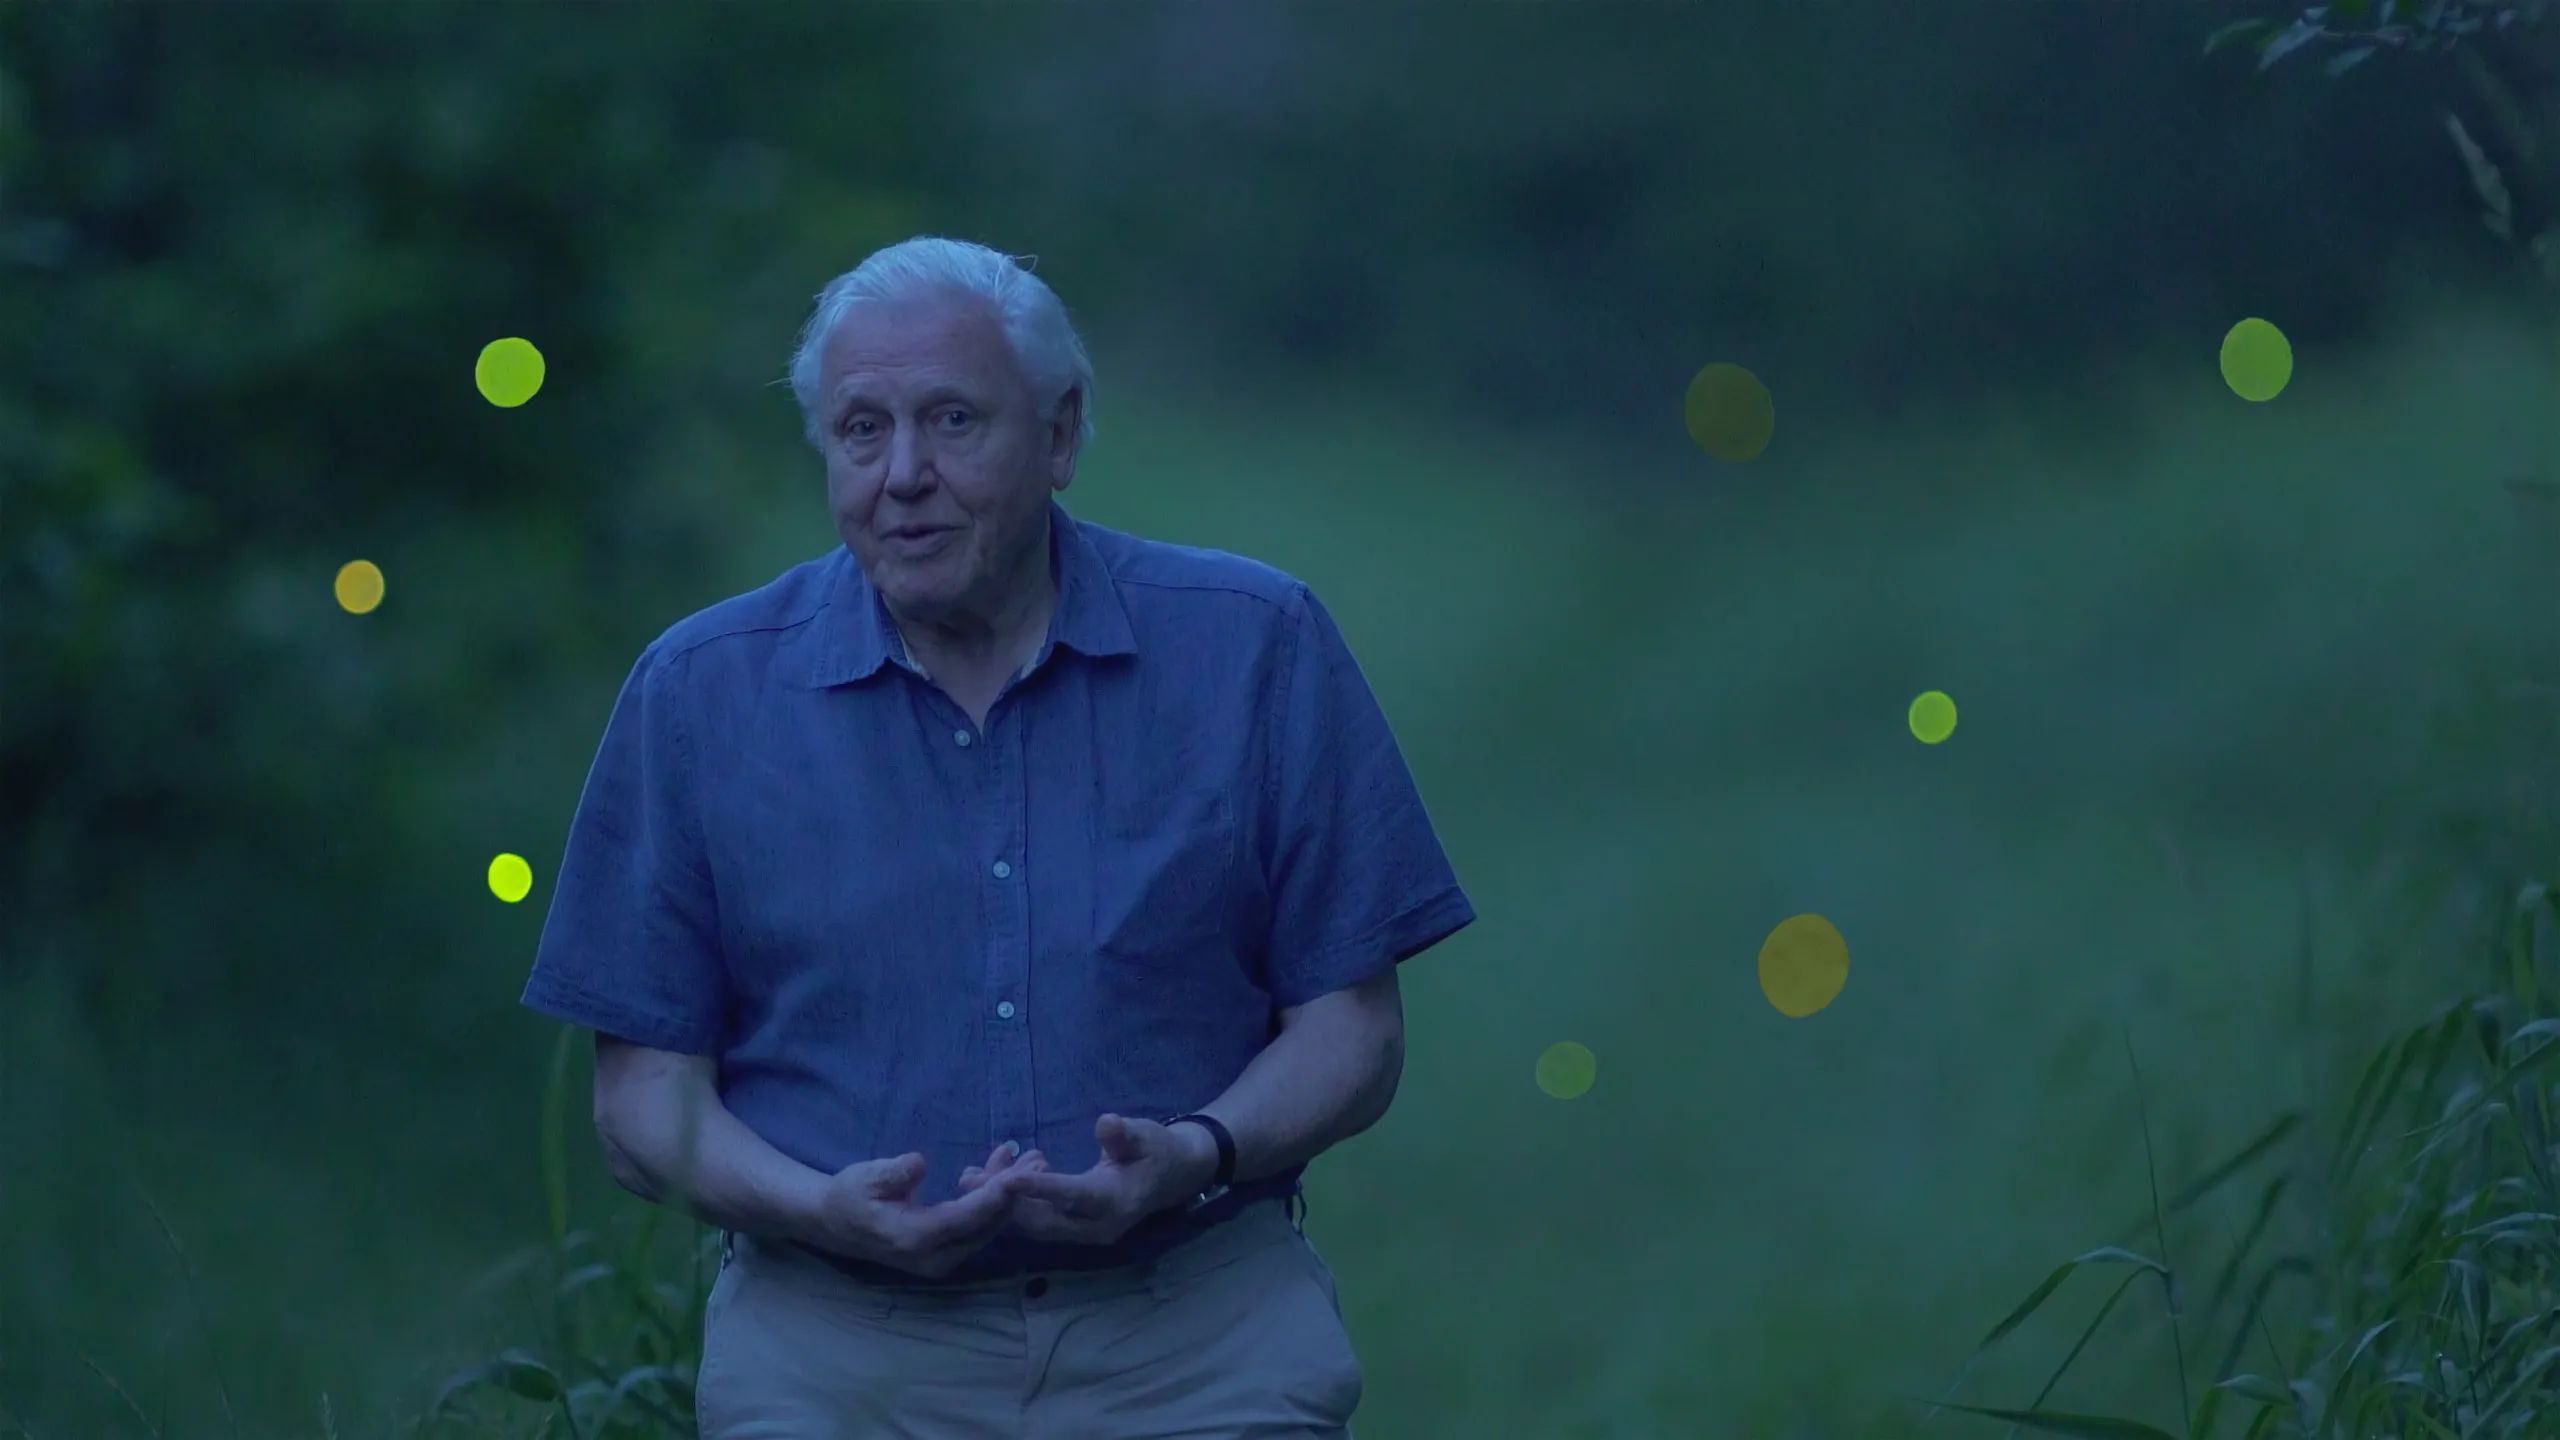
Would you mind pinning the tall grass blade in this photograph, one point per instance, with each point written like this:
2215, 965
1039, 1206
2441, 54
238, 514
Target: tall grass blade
112, 1383
2160, 1222
2542, 1059
195, 1300
2198, 1189
2250, 1154
2057, 1422
2382, 1076
2086, 1335
555, 1137
2228, 1282
2103, 1255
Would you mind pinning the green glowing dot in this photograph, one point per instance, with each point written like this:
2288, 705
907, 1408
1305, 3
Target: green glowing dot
1803, 965
1566, 1069
1729, 413
510, 878
2257, 360
509, 372
1933, 717
359, 586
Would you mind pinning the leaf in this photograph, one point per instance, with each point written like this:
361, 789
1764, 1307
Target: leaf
2059, 1422
2105, 1254
2475, 1099
2485, 178
2247, 1155
2236, 31
2344, 63
2213, 1179
584, 1276
2285, 42
2258, 1388
2233, 1268
634, 1384
518, 1373
2086, 1335
2338, 1385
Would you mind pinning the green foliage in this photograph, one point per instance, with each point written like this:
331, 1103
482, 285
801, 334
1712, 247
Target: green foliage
247, 258
2353, 31
619, 1330
2425, 1282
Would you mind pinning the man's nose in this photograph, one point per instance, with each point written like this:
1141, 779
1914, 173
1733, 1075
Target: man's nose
910, 467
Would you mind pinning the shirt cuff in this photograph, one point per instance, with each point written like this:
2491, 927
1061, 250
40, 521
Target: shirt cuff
1366, 956
565, 1000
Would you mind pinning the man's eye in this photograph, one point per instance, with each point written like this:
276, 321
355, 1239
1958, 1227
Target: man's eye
955, 418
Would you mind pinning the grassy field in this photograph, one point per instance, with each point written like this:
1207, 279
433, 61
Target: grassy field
2198, 647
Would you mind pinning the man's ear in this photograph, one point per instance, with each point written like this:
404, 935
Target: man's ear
1066, 430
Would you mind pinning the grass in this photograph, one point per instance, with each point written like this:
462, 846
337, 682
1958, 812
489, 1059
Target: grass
2414, 1293
2400, 1276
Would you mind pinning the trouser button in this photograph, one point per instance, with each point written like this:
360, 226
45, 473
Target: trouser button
1038, 1286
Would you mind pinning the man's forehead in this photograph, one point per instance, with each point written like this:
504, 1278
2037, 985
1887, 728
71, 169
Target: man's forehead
912, 347
884, 385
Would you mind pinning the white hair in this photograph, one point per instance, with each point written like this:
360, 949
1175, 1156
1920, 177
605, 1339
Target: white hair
1044, 340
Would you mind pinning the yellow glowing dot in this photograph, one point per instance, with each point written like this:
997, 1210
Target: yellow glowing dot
1729, 413
509, 371
359, 586
510, 878
2256, 360
1566, 1069
1803, 965
1933, 717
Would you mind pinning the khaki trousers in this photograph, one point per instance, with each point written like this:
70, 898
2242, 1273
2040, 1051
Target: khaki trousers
1234, 1335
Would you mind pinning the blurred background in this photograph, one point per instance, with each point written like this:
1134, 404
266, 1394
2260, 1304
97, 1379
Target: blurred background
2256, 719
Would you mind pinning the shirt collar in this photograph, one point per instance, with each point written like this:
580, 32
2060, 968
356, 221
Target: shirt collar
856, 637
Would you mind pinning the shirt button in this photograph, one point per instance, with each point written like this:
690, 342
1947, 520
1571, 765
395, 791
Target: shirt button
960, 738
1004, 1009
1003, 870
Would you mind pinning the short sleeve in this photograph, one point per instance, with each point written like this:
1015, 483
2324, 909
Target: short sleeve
630, 948
1359, 882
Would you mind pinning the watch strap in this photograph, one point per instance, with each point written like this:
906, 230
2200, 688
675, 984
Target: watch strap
1226, 1143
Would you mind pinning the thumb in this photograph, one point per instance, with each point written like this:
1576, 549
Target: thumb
1120, 1138
885, 1179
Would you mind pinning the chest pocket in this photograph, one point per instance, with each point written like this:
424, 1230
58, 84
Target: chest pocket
1164, 873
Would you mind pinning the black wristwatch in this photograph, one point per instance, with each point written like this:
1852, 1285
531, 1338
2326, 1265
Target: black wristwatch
1226, 1143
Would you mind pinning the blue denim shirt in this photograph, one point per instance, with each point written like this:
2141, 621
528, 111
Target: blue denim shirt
897, 932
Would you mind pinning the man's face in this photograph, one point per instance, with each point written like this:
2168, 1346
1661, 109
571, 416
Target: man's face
939, 468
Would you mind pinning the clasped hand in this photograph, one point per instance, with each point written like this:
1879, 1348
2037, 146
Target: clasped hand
868, 1211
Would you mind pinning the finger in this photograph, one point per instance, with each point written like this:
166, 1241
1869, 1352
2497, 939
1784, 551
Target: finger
1075, 1196
970, 1218
886, 1179
1001, 1156
1121, 1139
971, 1179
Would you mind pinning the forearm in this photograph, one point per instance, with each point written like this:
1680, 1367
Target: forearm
709, 1164
1317, 1084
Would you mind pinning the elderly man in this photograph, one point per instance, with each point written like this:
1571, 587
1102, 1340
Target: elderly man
986, 923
